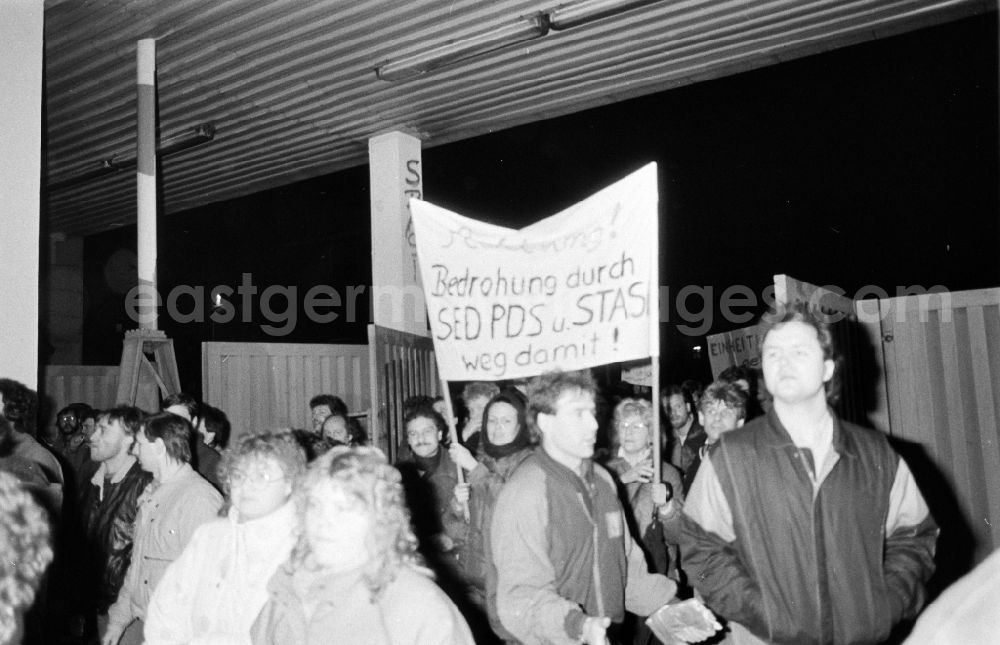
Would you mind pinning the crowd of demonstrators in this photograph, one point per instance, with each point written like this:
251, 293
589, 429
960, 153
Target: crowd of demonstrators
792, 526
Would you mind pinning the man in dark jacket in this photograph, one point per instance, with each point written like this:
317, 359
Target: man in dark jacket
110, 503
429, 478
800, 527
687, 436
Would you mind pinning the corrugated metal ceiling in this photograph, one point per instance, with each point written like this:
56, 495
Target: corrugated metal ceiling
291, 89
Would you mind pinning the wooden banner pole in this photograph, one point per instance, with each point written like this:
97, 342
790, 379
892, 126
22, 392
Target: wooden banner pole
453, 438
657, 440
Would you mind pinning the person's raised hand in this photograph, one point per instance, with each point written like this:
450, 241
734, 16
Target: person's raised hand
595, 630
641, 473
461, 456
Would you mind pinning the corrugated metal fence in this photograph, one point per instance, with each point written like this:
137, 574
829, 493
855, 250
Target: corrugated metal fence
95, 385
264, 386
942, 363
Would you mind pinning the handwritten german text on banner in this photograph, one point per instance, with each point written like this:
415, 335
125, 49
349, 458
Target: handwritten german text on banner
575, 290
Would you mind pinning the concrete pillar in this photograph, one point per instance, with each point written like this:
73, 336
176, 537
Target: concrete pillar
396, 175
20, 183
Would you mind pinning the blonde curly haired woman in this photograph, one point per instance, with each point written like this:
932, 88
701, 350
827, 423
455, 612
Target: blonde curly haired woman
355, 576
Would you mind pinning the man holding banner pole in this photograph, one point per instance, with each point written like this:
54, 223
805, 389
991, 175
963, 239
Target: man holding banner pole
567, 567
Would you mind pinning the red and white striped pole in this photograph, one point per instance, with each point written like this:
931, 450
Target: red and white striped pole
146, 182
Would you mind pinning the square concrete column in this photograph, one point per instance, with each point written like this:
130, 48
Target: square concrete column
396, 175
20, 181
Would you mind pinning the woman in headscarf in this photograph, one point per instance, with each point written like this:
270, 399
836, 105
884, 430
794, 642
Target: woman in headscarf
214, 591
355, 576
505, 441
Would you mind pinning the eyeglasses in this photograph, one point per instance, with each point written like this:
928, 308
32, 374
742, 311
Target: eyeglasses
255, 477
634, 426
719, 411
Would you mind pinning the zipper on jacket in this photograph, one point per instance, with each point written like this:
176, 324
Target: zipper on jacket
595, 542
821, 637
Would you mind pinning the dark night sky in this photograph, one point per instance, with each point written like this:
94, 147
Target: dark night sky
872, 165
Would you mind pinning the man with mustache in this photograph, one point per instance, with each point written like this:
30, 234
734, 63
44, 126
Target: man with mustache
430, 478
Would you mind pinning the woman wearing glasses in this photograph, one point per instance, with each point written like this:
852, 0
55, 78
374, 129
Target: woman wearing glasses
355, 576
632, 460
214, 591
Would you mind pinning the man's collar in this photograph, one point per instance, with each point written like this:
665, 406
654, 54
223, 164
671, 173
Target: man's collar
580, 475
778, 436
177, 474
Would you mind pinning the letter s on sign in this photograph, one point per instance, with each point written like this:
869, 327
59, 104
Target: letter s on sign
413, 172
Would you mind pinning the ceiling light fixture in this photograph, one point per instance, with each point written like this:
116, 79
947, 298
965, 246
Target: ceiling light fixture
579, 13
126, 160
524, 29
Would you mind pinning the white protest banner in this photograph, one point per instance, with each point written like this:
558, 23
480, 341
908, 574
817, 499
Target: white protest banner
734, 348
572, 291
